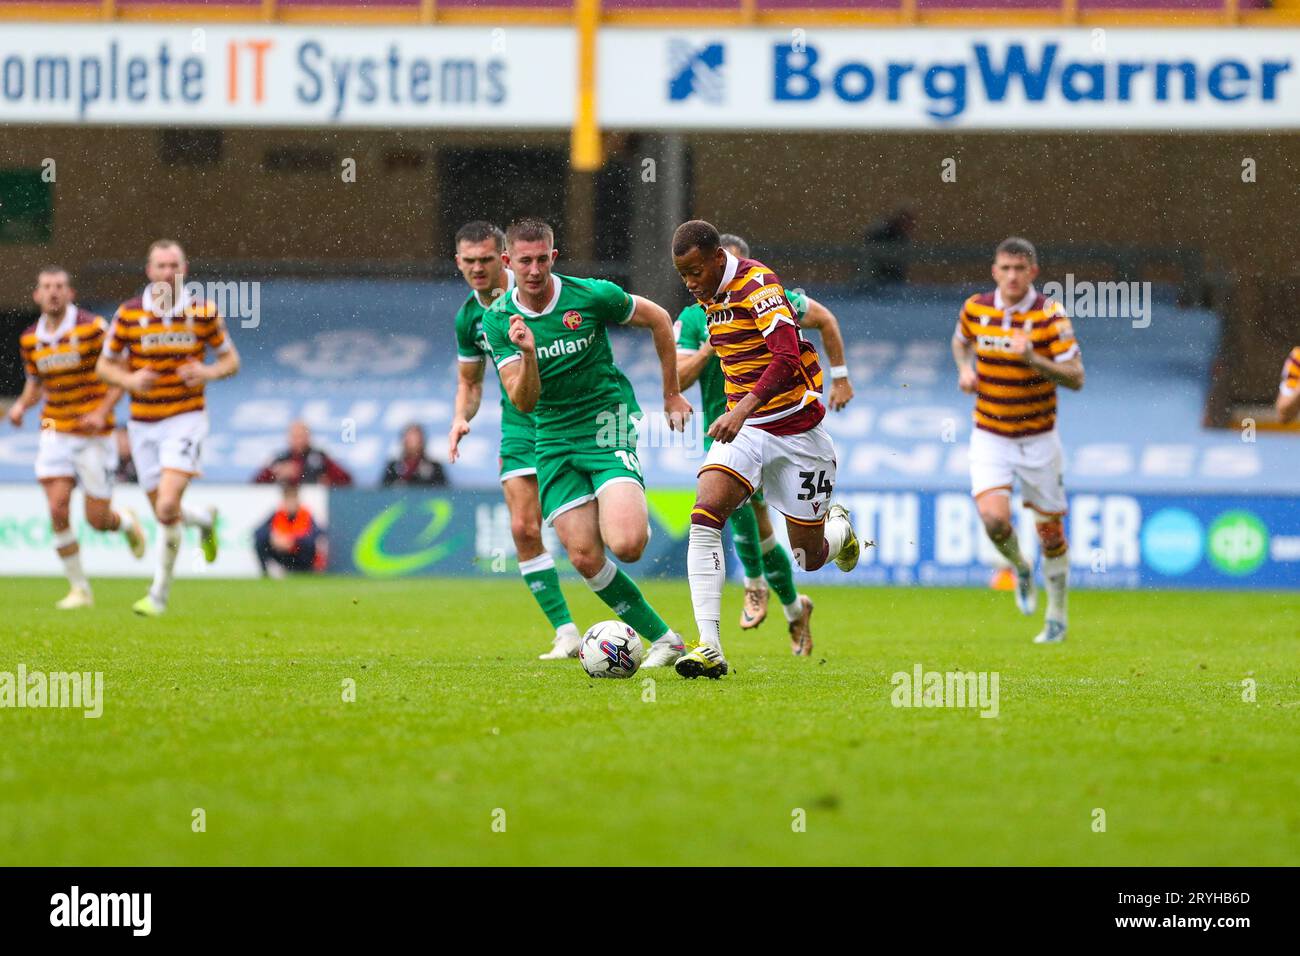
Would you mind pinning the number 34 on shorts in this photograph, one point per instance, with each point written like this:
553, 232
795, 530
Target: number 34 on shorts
795, 472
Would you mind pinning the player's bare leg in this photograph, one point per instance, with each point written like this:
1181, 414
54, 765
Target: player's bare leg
995, 511
537, 566
166, 502
582, 530
58, 495
1056, 576
831, 539
717, 494
777, 570
101, 516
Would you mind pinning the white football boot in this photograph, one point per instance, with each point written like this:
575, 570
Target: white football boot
1026, 592
1053, 632
76, 598
567, 641
847, 559
665, 651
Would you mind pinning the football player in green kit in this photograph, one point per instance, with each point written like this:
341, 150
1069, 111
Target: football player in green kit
479, 246
551, 346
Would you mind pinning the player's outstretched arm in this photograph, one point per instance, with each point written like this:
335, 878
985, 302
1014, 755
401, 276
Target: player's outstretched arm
649, 315
823, 320
469, 395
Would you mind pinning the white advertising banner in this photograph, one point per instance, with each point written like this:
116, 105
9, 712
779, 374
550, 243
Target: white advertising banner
944, 79
524, 77
27, 547
179, 74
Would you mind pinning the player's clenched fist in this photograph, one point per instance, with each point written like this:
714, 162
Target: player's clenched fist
966, 379
521, 334
726, 426
141, 381
678, 412
1022, 345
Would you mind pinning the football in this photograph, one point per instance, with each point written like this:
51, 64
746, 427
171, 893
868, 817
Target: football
610, 649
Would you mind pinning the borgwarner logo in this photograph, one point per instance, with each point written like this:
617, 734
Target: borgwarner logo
696, 71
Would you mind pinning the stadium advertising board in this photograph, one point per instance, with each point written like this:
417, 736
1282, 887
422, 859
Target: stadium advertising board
399, 533
950, 79
931, 78
1117, 541
286, 76
27, 548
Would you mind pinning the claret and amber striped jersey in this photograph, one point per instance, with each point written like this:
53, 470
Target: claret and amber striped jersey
163, 344
1011, 398
62, 358
749, 303
1291, 373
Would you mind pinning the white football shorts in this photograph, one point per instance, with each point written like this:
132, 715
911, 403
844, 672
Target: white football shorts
1037, 461
175, 443
795, 472
91, 459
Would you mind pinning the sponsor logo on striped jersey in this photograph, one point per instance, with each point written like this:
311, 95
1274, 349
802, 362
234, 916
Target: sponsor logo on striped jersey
65, 367
738, 317
163, 344
1011, 398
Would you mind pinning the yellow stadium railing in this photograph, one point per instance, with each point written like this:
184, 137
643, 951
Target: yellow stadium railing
739, 13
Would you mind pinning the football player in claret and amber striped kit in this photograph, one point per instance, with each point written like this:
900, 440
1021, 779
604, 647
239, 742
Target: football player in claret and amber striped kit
764, 560
155, 350
76, 445
1013, 347
770, 437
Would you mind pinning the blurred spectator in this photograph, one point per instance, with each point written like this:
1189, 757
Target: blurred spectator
413, 467
289, 540
125, 474
301, 464
887, 245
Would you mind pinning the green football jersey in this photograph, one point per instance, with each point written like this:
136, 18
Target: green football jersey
472, 346
692, 331
581, 386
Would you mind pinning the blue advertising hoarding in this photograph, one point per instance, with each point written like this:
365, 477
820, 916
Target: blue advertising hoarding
1119, 541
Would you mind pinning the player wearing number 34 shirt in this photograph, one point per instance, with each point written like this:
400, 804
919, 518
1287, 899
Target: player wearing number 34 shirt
770, 437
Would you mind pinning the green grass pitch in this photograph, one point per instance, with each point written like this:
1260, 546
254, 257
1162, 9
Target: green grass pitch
233, 703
